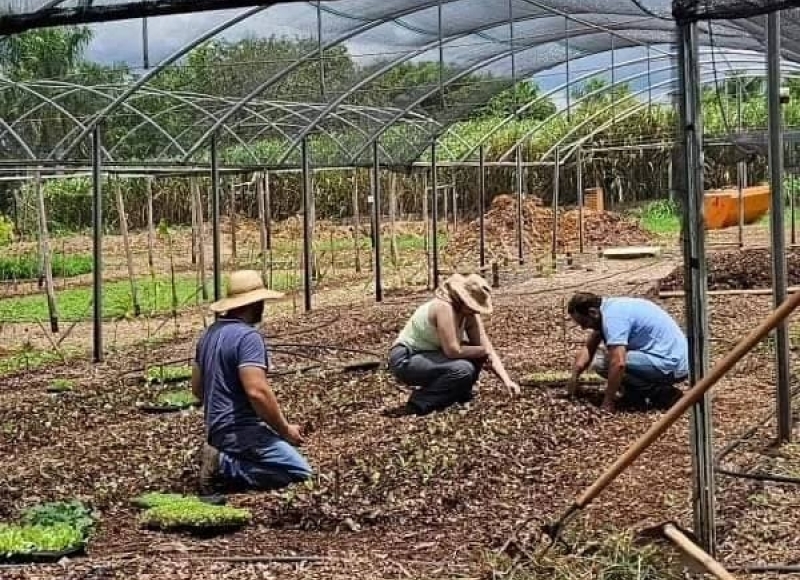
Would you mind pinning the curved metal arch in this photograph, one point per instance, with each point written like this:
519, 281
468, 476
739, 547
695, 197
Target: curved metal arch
144, 79
42, 98
603, 90
18, 138
572, 146
94, 90
417, 52
475, 67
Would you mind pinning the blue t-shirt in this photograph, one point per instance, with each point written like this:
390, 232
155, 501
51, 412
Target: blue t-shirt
224, 348
640, 325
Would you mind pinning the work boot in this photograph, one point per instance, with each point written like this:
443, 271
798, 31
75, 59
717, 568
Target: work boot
209, 468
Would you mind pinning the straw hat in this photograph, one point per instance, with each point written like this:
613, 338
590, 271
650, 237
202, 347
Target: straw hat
244, 287
472, 291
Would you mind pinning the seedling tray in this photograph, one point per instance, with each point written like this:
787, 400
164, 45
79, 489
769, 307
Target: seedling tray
154, 408
43, 557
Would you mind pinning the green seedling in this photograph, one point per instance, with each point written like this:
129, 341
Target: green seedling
168, 374
182, 399
193, 514
60, 386
27, 539
155, 499
72, 513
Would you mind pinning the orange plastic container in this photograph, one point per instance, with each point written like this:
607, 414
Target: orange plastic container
722, 206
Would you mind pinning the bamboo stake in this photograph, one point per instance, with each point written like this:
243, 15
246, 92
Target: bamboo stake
696, 553
427, 232
194, 223
268, 212
356, 222
262, 225
126, 242
201, 238
151, 228
232, 211
44, 248
392, 209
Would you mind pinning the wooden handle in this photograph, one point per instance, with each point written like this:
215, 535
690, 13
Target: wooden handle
696, 553
689, 398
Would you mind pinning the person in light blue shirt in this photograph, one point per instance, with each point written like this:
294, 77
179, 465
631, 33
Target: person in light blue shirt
645, 355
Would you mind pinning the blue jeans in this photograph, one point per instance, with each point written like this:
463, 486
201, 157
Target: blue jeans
257, 458
442, 381
640, 372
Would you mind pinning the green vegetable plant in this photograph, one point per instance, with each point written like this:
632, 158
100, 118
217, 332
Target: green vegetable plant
182, 399
72, 513
27, 539
155, 499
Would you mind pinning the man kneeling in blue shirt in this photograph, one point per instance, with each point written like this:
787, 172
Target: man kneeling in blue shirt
646, 352
249, 443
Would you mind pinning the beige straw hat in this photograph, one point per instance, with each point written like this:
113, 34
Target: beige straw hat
244, 287
472, 291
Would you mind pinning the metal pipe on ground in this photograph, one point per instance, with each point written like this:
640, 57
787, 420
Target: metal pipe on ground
692, 396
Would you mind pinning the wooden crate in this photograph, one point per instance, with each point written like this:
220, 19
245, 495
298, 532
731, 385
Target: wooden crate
593, 198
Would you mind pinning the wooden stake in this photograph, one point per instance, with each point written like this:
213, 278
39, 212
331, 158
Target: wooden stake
232, 211
426, 234
194, 223
356, 222
126, 242
44, 248
393, 253
201, 238
268, 211
262, 225
151, 228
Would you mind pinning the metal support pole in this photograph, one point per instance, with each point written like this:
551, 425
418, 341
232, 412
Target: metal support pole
792, 184
695, 284
739, 173
321, 51
97, 246
579, 179
434, 216
556, 187
566, 64
613, 81
482, 204
376, 209
776, 222
145, 46
216, 245
520, 216
307, 193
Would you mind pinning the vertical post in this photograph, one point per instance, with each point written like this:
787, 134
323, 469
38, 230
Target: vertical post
356, 223
307, 193
46, 255
579, 179
613, 80
145, 46
321, 51
434, 217
776, 222
262, 224
216, 250
566, 64
556, 193
792, 185
376, 209
482, 203
268, 210
649, 83
201, 239
695, 284
97, 247
520, 216
427, 233
739, 173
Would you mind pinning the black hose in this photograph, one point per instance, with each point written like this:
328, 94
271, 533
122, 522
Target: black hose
324, 347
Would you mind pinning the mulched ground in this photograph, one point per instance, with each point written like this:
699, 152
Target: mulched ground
739, 270
393, 497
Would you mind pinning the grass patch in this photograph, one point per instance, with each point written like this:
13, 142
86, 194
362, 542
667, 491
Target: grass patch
616, 557
168, 512
27, 266
168, 374
60, 386
659, 217
182, 399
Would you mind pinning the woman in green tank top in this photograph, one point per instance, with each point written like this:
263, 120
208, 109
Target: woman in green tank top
443, 346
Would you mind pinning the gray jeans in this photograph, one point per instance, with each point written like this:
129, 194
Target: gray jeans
442, 381
642, 380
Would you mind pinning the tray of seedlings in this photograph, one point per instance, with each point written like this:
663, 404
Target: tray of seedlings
557, 379
46, 533
169, 512
170, 402
60, 386
168, 374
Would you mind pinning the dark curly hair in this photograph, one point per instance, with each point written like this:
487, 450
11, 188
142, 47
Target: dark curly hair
582, 302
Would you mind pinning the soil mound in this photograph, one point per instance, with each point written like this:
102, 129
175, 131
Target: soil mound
739, 270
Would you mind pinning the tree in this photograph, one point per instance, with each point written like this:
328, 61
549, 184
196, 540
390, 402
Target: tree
523, 93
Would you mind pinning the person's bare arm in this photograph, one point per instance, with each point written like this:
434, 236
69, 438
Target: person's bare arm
476, 333
197, 382
584, 359
616, 370
254, 381
449, 338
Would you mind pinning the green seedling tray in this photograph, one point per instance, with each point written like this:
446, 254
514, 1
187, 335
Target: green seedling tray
42, 557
